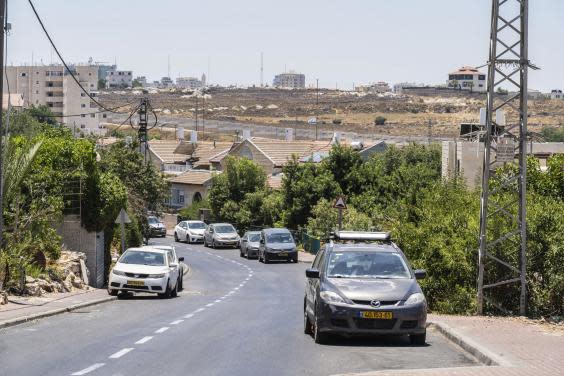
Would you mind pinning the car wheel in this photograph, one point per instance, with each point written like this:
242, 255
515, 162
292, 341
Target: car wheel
205, 242
174, 291
295, 260
307, 322
181, 281
167, 292
213, 243
418, 339
241, 252
265, 258
176, 237
113, 292
318, 336
188, 239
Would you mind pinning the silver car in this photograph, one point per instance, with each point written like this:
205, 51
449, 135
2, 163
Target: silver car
250, 243
364, 286
221, 235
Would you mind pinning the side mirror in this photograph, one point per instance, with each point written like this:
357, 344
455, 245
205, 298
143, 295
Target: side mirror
173, 265
312, 273
114, 259
420, 274
181, 259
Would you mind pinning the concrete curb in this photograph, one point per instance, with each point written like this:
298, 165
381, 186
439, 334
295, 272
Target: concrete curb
482, 354
37, 316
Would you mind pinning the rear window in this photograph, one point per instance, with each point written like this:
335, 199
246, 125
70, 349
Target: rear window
142, 258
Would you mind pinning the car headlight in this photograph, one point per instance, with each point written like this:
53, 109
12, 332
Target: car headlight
331, 297
118, 272
415, 299
156, 275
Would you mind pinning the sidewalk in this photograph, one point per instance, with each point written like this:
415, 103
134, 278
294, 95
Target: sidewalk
519, 347
20, 310
305, 257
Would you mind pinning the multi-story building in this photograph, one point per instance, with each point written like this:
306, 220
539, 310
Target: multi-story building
119, 79
54, 87
467, 78
166, 82
189, 83
556, 94
290, 80
142, 80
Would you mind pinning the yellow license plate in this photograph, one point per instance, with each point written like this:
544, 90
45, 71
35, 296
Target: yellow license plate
283, 254
376, 315
135, 283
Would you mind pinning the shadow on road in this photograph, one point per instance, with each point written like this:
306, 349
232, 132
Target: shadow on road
376, 341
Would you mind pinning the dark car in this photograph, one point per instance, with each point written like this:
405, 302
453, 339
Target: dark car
277, 244
364, 286
156, 227
250, 243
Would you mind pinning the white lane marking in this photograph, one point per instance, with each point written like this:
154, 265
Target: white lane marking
121, 353
218, 301
144, 340
190, 315
236, 288
241, 285
199, 310
162, 330
209, 305
176, 322
93, 367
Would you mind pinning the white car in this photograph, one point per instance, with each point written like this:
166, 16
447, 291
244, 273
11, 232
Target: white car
176, 260
190, 231
146, 269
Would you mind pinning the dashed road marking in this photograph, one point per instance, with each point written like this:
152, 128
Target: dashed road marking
176, 322
188, 316
199, 310
218, 301
93, 367
162, 330
121, 353
209, 305
144, 340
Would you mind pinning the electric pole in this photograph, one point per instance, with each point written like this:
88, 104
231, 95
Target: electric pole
504, 205
2, 37
142, 132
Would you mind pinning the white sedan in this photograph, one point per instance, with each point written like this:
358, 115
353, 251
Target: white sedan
146, 269
190, 231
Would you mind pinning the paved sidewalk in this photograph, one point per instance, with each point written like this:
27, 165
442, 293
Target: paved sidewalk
305, 257
20, 310
519, 347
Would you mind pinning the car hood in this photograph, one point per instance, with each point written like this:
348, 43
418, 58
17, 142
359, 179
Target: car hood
379, 289
283, 246
227, 235
253, 244
140, 269
196, 231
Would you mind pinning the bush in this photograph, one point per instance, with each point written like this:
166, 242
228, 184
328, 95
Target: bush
337, 121
380, 120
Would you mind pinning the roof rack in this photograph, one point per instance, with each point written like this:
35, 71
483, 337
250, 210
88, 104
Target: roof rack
361, 236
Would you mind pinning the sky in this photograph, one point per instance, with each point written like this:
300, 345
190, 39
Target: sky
340, 42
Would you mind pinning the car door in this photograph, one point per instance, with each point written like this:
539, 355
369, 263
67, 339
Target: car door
312, 284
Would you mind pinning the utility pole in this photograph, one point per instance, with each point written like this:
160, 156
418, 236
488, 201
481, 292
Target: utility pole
2, 37
505, 204
203, 116
142, 132
196, 114
261, 70
317, 93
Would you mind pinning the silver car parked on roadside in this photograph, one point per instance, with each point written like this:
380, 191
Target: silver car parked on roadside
364, 286
221, 235
250, 243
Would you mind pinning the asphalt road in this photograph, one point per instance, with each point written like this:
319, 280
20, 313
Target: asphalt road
235, 317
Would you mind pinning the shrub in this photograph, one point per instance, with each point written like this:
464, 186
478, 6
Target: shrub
380, 120
337, 121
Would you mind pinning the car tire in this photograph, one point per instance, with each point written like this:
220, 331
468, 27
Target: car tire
205, 242
167, 293
418, 339
265, 259
295, 260
213, 244
113, 292
319, 337
176, 237
307, 322
174, 291
181, 281
241, 252
188, 239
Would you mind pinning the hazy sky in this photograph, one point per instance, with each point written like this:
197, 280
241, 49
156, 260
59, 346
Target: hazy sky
341, 42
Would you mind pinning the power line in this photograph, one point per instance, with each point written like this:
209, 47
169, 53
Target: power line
65, 64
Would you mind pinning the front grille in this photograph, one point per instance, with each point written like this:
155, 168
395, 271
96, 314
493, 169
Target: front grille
341, 323
156, 288
136, 287
382, 302
374, 324
409, 324
133, 275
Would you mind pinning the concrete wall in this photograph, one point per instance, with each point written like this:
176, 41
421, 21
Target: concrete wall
76, 238
189, 191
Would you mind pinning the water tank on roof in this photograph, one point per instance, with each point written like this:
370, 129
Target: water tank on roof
180, 133
357, 145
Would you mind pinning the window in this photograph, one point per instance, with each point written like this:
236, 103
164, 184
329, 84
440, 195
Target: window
104, 116
82, 126
82, 115
83, 105
23, 74
92, 115
482, 77
82, 94
37, 82
367, 264
317, 260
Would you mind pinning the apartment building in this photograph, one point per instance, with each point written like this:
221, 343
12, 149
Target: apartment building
467, 78
556, 94
190, 82
117, 79
290, 80
54, 87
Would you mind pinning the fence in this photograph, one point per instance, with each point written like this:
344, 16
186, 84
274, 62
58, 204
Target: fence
311, 244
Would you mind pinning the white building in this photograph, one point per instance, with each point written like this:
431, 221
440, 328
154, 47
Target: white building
556, 94
378, 87
467, 78
142, 80
166, 82
290, 80
54, 87
190, 82
116, 79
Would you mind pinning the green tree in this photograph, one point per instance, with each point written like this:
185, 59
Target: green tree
344, 164
324, 219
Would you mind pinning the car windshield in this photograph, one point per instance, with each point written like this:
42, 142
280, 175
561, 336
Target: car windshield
367, 264
153, 220
143, 258
279, 238
254, 237
197, 225
224, 229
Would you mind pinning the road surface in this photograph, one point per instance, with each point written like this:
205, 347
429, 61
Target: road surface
235, 317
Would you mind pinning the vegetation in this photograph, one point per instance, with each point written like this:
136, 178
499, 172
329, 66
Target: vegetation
380, 120
552, 134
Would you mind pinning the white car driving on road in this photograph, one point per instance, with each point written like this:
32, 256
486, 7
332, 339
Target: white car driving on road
146, 269
190, 231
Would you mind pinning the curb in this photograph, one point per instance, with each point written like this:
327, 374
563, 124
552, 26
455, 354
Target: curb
37, 316
470, 346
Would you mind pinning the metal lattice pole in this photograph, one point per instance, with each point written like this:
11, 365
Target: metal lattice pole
505, 203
